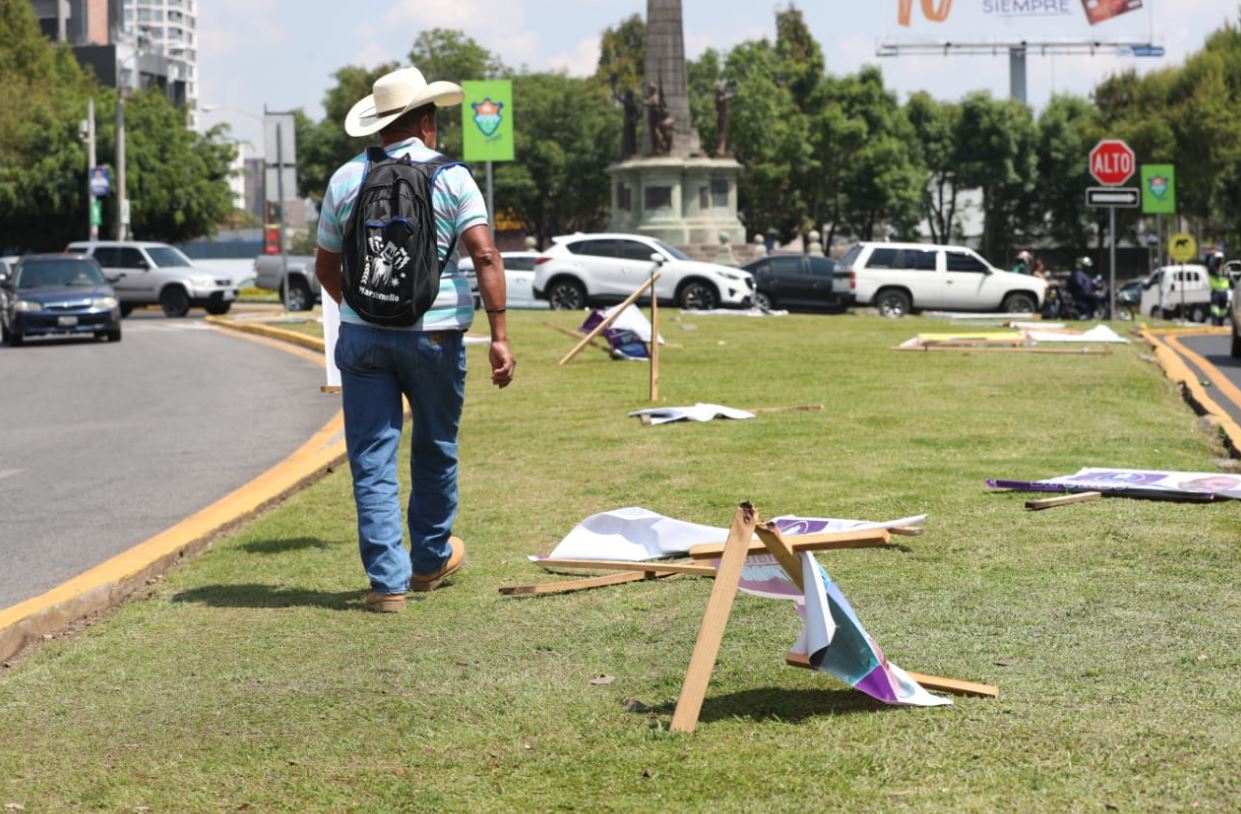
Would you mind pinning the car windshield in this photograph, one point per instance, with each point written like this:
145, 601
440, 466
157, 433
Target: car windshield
71, 273
672, 251
167, 257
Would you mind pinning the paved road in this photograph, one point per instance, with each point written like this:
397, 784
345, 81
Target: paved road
104, 445
1217, 351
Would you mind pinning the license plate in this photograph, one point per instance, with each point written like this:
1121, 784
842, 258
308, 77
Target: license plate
230, 295
66, 322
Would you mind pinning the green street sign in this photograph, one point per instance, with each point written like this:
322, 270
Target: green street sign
96, 212
487, 120
1158, 189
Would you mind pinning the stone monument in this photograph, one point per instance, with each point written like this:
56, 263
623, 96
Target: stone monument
670, 189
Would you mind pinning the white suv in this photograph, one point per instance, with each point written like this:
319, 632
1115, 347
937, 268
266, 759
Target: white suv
145, 273
580, 269
898, 278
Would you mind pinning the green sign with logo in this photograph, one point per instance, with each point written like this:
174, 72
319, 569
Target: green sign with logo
487, 120
96, 212
1158, 189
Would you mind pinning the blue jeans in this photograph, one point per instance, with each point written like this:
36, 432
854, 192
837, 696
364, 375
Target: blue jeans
377, 367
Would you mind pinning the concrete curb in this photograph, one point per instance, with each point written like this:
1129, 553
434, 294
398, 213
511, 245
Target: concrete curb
293, 337
1179, 373
109, 584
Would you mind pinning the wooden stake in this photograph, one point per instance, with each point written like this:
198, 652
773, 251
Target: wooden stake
908, 531
779, 547
800, 408
654, 338
949, 685
714, 620
568, 586
608, 320
606, 349
624, 565
826, 541
1062, 500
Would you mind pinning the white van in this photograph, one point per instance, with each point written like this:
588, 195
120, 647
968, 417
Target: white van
898, 278
1173, 292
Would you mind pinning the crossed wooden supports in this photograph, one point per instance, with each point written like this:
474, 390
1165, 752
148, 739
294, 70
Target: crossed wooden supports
732, 556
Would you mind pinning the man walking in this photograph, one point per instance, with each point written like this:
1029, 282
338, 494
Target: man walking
425, 361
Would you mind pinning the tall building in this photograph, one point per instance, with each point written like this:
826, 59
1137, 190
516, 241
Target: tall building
168, 28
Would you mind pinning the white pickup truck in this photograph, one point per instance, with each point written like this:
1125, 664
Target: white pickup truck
1176, 292
302, 291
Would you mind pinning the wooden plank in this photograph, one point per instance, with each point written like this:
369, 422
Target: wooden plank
826, 541
907, 531
1062, 500
570, 585
1062, 351
778, 546
714, 620
623, 565
800, 408
948, 685
654, 344
607, 321
577, 335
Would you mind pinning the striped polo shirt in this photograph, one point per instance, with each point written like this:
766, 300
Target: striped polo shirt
458, 206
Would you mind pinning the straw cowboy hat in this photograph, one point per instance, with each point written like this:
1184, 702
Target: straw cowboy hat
397, 93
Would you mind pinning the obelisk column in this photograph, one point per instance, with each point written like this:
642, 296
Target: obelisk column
665, 68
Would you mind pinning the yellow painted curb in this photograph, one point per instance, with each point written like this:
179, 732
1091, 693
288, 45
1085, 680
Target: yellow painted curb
258, 329
1178, 372
108, 584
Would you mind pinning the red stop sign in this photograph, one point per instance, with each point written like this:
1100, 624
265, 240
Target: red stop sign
1112, 163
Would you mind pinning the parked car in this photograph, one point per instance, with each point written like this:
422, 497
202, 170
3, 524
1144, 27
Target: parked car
518, 279
794, 280
144, 273
898, 278
303, 290
578, 270
1179, 291
47, 294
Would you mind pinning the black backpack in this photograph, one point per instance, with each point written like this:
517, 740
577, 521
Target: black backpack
390, 274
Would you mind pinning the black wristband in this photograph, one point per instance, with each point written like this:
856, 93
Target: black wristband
496, 310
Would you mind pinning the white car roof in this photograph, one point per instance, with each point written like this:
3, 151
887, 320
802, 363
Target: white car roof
923, 246
144, 244
602, 236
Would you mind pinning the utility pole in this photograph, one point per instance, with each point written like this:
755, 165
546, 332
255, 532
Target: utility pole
90, 167
122, 203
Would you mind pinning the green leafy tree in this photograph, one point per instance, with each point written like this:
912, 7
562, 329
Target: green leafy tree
1067, 130
558, 182
935, 126
622, 55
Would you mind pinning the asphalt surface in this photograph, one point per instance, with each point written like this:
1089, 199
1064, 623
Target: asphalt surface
1217, 351
104, 445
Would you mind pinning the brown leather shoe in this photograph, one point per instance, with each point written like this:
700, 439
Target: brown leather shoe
385, 603
429, 582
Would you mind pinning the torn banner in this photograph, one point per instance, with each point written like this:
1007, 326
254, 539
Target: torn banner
628, 334
634, 534
1135, 483
699, 412
833, 637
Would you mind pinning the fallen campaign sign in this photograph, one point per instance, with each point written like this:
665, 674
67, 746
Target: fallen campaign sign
1140, 483
628, 334
832, 637
634, 534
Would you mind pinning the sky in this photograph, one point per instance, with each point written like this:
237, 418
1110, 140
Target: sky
281, 54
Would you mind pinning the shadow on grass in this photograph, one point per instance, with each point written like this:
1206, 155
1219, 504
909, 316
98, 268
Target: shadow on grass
782, 704
281, 546
251, 595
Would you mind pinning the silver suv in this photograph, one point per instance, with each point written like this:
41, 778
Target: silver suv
145, 273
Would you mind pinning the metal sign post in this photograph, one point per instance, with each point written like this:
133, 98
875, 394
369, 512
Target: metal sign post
279, 137
1112, 163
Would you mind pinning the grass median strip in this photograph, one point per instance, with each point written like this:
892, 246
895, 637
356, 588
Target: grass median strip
253, 678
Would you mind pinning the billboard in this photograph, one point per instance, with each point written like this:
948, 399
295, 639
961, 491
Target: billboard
954, 23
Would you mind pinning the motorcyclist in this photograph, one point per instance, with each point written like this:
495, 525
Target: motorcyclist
1084, 290
1220, 284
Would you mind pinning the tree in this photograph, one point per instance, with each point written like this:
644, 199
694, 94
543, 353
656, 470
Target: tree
1067, 130
558, 182
622, 55
935, 126
177, 179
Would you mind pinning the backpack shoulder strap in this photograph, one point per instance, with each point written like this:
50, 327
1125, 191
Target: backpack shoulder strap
440, 164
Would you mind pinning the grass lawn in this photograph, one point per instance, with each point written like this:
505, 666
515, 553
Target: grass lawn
251, 679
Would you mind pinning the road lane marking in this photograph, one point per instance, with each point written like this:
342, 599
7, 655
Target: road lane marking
8, 473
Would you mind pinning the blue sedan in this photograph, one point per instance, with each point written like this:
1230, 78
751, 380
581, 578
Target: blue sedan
58, 294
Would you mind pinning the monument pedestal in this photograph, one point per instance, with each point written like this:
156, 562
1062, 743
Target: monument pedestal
685, 201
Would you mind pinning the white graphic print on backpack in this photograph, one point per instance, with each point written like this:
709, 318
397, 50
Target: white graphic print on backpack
385, 265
